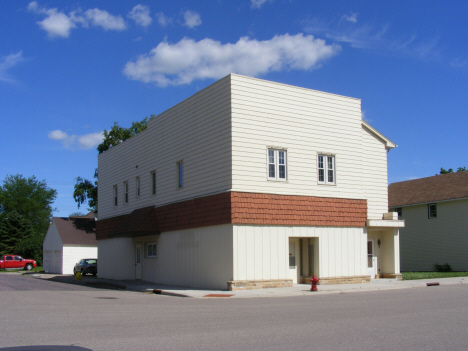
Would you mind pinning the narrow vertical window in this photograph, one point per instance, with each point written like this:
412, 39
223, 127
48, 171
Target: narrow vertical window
138, 187
180, 170
276, 164
153, 183
115, 196
126, 192
432, 211
326, 169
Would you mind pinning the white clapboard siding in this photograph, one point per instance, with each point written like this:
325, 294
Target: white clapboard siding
196, 132
305, 123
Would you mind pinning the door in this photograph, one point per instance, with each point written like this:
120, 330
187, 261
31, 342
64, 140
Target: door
293, 260
137, 261
370, 258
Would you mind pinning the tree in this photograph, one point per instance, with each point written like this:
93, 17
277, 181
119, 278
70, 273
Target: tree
86, 190
13, 229
118, 134
450, 170
30, 198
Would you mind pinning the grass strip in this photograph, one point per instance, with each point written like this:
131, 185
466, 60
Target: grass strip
431, 275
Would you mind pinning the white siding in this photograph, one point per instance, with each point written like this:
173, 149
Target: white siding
197, 131
424, 241
52, 241
374, 175
306, 123
116, 259
72, 254
200, 257
261, 252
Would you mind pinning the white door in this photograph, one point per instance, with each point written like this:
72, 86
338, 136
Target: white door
293, 260
370, 258
138, 261
58, 262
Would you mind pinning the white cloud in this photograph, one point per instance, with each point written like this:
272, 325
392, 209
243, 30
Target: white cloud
141, 15
188, 60
192, 19
257, 4
59, 24
350, 18
163, 20
87, 141
105, 20
8, 62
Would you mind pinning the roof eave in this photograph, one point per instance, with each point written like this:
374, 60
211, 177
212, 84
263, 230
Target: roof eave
388, 143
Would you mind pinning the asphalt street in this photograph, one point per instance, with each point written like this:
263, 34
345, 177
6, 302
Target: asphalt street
47, 317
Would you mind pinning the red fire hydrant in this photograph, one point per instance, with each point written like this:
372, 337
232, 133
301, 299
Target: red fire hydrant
314, 280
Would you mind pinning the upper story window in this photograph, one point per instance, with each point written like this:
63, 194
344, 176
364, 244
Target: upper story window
116, 199
138, 187
180, 174
153, 183
276, 164
432, 211
326, 169
399, 210
126, 192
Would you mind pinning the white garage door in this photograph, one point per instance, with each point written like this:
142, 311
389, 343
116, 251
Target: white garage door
48, 261
57, 262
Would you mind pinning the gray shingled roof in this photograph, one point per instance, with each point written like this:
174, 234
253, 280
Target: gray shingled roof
431, 189
76, 230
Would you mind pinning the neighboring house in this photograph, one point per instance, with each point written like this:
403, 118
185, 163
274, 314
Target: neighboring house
67, 241
248, 184
435, 211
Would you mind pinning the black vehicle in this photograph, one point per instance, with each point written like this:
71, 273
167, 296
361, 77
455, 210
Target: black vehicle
85, 266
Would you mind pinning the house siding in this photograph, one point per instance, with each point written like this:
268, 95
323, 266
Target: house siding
424, 241
174, 135
73, 254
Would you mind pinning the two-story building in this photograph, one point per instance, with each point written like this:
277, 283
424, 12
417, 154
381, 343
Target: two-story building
248, 184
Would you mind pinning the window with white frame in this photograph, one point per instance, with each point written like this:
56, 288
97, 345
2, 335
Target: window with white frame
276, 164
138, 187
153, 183
115, 196
126, 192
326, 169
432, 211
180, 174
151, 250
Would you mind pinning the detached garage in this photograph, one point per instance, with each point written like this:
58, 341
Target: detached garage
67, 241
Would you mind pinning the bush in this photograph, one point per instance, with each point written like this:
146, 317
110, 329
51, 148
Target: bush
442, 267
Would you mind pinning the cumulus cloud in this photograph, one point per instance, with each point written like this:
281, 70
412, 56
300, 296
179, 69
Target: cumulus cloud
192, 19
59, 24
87, 141
105, 20
8, 62
257, 4
141, 15
163, 20
188, 60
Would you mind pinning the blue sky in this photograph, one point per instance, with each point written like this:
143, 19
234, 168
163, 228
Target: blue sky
70, 69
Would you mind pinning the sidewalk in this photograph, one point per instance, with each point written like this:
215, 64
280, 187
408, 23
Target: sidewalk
296, 290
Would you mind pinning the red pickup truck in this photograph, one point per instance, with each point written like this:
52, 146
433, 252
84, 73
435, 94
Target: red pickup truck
16, 262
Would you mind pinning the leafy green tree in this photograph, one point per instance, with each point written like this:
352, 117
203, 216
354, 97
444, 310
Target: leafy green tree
450, 170
30, 198
86, 190
118, 134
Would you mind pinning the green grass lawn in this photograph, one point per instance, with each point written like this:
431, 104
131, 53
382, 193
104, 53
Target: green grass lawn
37, 269
431, 275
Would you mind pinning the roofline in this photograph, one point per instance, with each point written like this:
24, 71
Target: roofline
429, 202
388, 143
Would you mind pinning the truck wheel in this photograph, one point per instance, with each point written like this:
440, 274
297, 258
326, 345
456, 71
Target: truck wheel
28, 267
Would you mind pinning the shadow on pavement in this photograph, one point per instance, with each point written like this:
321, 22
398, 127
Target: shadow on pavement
90, 281
45, 348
